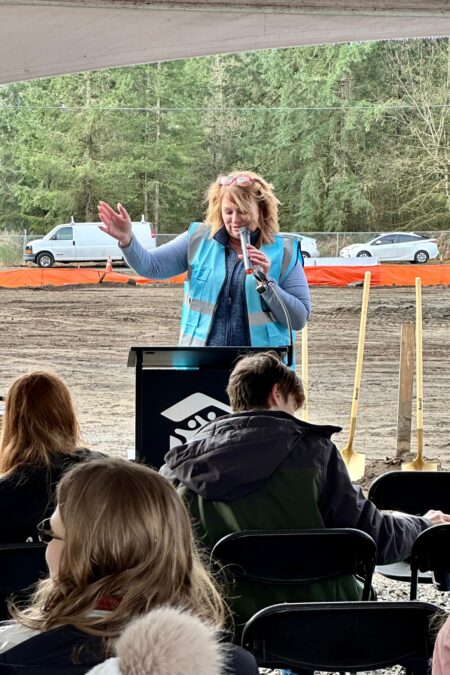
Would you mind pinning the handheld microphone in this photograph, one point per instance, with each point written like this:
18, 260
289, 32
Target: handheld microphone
244, 236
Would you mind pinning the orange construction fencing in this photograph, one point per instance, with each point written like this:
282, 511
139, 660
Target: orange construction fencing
382, 275
59, 276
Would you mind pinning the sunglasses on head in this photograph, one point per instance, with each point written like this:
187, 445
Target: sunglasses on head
46, 535
241, 180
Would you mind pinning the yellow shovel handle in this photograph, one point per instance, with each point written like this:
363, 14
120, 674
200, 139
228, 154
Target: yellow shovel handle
419, 368
359, 355
304, 414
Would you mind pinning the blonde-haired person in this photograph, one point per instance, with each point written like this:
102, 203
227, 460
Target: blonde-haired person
223, 305
119, 545
39, 440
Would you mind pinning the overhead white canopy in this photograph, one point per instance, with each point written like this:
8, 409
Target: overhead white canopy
39, 38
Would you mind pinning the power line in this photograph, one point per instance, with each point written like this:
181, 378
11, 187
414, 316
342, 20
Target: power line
64, 108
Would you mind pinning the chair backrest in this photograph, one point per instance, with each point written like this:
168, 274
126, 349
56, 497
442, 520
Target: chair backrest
413, 492
431, 553
340, 636
298, 556
21, 565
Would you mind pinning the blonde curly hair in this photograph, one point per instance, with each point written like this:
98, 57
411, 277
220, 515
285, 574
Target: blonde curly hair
256, 199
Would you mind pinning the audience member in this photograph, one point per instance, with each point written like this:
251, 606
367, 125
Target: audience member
39, 440
119, 544
260, 468
441, 654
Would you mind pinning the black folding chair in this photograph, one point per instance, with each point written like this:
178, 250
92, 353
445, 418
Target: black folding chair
342, 636
298, 556
413, 492
21, 566
431, 553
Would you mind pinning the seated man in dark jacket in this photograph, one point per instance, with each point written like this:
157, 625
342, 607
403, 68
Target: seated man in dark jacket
261, 468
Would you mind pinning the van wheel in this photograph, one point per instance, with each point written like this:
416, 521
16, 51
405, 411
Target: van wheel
305, 254
45, 259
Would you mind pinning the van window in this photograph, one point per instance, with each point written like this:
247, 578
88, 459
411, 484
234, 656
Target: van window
65, 233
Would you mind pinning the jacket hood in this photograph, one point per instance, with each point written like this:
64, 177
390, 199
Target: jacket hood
166, 641
231, 456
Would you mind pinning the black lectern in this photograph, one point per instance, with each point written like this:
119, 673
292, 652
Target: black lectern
179, 390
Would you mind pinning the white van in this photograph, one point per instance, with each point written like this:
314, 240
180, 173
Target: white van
77, 242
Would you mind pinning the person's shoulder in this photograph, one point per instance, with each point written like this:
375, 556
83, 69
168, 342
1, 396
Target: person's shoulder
13, 634
325, 431
25, 647
22, 476
196, 225
82, 454
265, 418
238, 661
285, 239
63, 462
199, 230
283, 418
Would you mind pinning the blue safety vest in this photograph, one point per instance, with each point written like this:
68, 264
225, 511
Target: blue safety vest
206, 277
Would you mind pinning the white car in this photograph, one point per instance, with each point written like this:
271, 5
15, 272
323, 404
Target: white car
416, 248
308, 244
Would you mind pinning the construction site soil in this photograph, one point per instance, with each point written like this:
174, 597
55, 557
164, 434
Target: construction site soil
85, 332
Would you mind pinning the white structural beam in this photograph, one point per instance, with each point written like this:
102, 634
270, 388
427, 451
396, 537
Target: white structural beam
39, 38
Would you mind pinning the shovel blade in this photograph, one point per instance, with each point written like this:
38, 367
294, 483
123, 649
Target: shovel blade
356, 464
418, 465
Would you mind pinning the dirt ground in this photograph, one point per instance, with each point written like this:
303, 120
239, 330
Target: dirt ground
85, 332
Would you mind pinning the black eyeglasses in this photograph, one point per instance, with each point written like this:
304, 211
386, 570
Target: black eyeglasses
46, 535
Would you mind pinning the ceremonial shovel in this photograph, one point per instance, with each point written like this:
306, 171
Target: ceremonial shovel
304, 411
418, 464
356, 461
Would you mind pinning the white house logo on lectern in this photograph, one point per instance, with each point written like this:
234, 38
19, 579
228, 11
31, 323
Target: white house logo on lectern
191, 414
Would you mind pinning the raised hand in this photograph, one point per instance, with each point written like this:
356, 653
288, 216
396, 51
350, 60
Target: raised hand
116, 224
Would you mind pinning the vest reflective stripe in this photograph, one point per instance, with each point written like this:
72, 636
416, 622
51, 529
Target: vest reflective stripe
290, 247
195, 239
261, 318
205, 280
202, 306
190, 341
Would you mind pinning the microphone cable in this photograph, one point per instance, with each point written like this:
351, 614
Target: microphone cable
265, 284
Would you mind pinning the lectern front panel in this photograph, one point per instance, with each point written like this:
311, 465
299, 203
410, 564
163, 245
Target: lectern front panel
179, 390
175, 405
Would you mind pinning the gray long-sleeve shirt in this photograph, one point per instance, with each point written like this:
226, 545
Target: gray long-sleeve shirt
172, 259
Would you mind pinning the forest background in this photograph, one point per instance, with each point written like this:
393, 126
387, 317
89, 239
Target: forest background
354, 137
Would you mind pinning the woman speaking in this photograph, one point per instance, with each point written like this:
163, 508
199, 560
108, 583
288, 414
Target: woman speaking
224, 303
